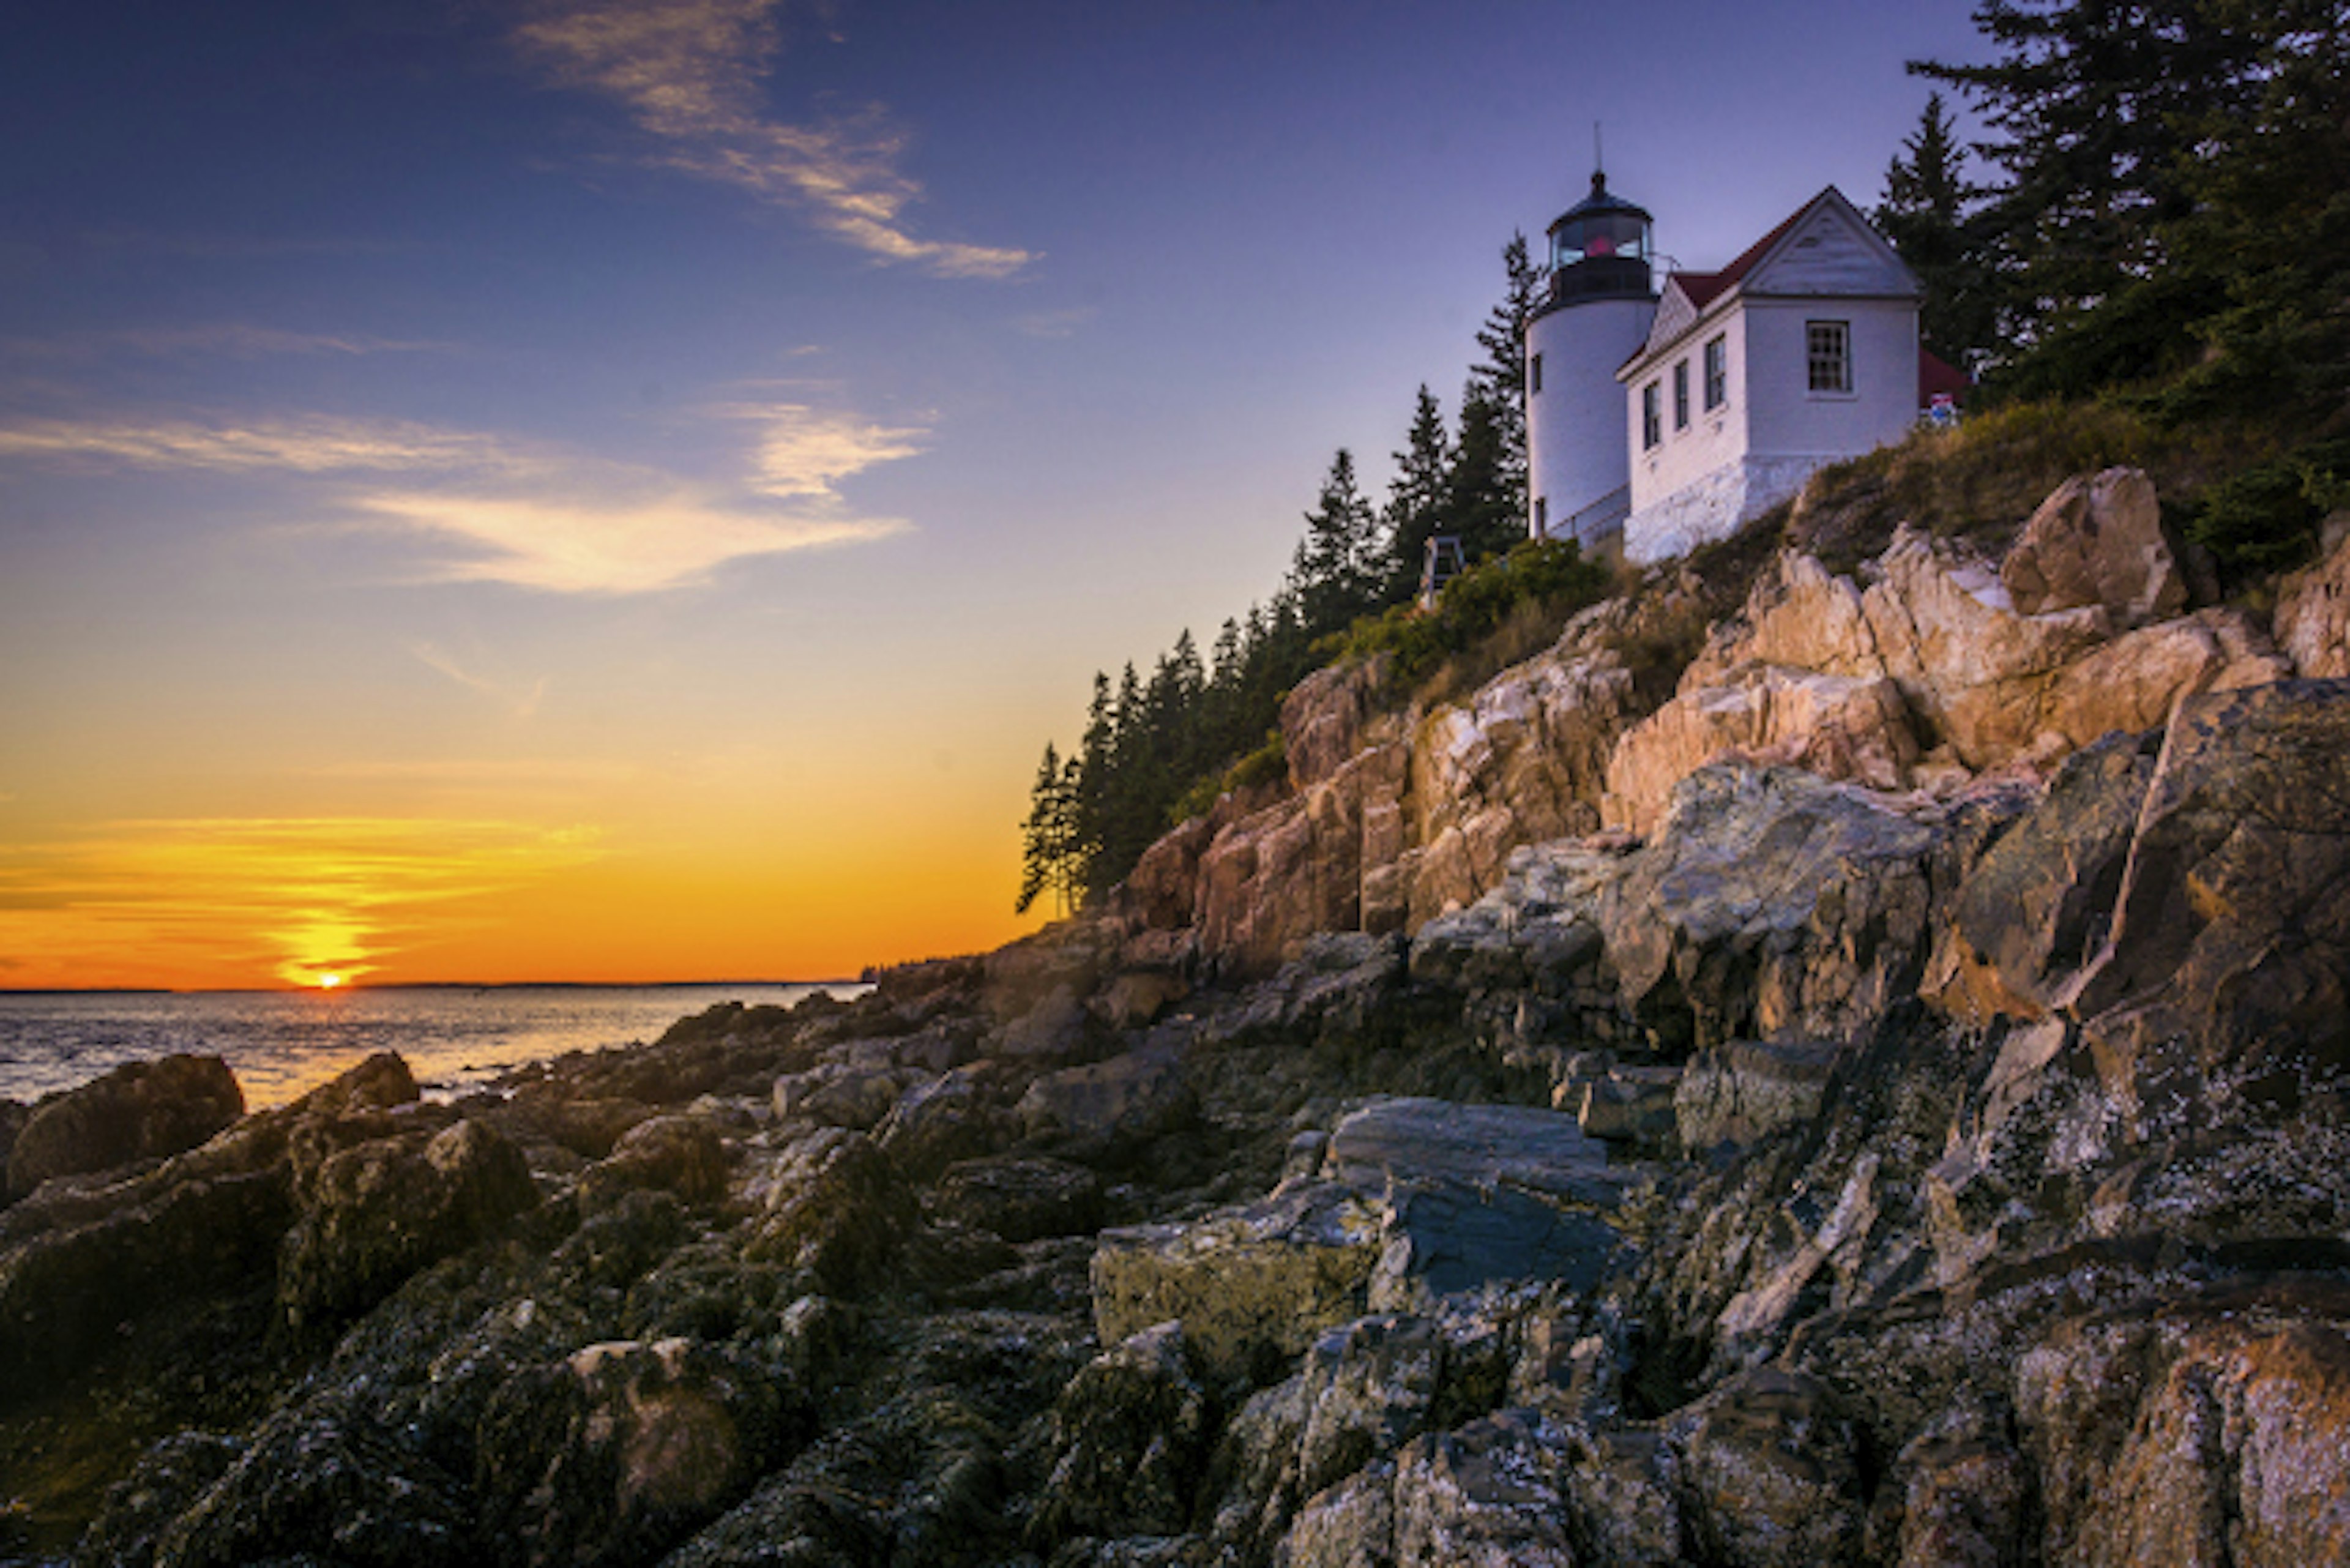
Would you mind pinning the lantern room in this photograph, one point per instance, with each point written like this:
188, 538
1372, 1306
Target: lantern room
1600, 248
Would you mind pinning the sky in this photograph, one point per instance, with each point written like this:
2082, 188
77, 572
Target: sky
624, 490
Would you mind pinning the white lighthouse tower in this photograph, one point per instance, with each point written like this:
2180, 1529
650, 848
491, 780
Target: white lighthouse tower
1594, 314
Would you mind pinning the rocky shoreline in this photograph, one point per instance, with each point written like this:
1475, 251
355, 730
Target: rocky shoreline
1879, 1099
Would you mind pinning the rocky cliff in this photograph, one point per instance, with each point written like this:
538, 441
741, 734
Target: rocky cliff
1877, 1096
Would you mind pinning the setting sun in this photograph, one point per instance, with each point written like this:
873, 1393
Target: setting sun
328, 981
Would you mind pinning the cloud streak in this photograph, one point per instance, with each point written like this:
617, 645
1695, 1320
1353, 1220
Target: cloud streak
303, 896
688, 73
230, 339
591, 547
528, 517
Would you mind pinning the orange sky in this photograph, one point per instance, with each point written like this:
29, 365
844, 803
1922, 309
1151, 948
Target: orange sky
624, 490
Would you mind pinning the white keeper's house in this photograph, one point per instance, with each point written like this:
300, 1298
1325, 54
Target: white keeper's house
1657, 420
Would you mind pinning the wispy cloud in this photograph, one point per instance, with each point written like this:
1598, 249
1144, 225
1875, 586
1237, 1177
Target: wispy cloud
230, 339
532, 516
593, 547
304, 897
804, 452
309, 446
1056, 323
689, 73
520, 702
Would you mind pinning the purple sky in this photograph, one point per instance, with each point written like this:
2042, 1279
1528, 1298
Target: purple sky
808, 397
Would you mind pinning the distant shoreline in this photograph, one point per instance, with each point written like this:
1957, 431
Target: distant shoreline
410, 985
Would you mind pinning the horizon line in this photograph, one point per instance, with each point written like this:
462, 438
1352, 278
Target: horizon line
406, 985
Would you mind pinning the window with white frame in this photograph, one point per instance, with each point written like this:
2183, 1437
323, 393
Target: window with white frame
1828, 347
1717, 371
1652, 417
1680, 395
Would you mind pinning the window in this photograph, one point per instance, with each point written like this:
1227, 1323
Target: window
1542, 516
1717, 372
1828, 351
1533, 374
1680, 396
1652, 423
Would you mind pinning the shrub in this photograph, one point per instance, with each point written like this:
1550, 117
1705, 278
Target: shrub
1542, 578
1266, 764
2265, 518
1982, 480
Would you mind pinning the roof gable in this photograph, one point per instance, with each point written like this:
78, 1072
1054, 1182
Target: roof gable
1675, 310
1829, 249
1824, 248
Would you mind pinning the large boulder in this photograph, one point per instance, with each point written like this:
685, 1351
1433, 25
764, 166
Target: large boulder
678, 1154
2037, 906
1132, 1097
377, 1213
141, 1110
1021, 1200
324, 1484
1417, 1198
618, 1451
835, 1207
1251, 1286
2207, 1432
1772, 904
2312, 624
1130, 1433
2098, 540
1747, 1090
1770, 1473
2228, 958
72, 1291
1836, 726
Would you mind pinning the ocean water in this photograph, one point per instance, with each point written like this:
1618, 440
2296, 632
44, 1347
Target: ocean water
283, 1043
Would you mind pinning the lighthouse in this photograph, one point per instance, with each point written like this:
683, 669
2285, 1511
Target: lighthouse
1594, 312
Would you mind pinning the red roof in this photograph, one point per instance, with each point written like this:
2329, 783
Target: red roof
1936, 374
1704, 287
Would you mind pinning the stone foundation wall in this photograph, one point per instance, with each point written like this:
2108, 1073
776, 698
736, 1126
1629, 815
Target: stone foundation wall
1712, 507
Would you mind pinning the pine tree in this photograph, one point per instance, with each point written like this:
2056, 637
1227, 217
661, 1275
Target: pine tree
1050, 861
1418, 497
2094, 101
1340, 563
1501, 376
2272, 223
1484, 502
1925, 212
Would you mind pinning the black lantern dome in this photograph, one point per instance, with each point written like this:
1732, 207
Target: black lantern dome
1599, 248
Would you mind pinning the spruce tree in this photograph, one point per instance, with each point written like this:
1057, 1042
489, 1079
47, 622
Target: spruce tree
1501, 376
1050, 858
1484, 501
2094, 102
1418, 497
1340, 563
1925, 212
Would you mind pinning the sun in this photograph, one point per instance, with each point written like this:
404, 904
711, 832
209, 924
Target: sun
328, 981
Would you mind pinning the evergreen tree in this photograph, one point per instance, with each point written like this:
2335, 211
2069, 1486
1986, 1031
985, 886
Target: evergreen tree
1418, 496
1484, 502
1925, 213
1340, 564
2094, 102
2272, 224
1501, 376
1051, 859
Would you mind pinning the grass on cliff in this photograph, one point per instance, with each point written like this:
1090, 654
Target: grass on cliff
2254, 495
1981, 480
1500, 611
